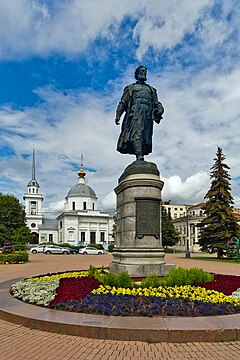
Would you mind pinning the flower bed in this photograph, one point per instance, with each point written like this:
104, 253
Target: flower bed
81, 292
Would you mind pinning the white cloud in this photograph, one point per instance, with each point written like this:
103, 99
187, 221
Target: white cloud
32, 27
202, 112
201, 103
165, 23
190, 191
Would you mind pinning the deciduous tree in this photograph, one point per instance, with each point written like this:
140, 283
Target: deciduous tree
12, 220
170, 235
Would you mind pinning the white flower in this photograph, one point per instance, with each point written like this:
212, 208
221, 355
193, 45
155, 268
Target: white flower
35, 292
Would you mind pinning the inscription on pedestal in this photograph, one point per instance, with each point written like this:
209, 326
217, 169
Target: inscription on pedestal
147, 217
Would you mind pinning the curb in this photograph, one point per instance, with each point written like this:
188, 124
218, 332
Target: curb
155, 329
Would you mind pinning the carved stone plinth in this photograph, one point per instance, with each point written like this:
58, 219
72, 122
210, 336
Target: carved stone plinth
138, 243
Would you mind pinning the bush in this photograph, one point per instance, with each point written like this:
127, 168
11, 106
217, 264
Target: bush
151, 281
122, 280
110, 247
97, 246
14, 258
181, 276
19, 246
172, 250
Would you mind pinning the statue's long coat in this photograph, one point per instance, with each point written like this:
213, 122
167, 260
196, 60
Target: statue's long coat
126, 141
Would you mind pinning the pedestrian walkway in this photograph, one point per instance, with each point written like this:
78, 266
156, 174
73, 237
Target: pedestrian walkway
19, 342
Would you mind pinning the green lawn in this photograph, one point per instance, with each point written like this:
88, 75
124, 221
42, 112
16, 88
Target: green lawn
207, 258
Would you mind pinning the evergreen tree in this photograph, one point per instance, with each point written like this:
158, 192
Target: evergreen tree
220, 224
170, 235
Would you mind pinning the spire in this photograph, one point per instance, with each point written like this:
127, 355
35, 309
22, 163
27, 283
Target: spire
33, 182
81, 172
33, 165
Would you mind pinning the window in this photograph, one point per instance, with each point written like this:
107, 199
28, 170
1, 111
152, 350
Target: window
33, 190
37, 191
84, 205
82, 236
60, 224
102, 236
50, 237
92, 237
73, 205
70, 235
93, 206
29, 190
33, 205
33, 225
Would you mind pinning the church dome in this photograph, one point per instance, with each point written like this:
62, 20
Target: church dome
82, 190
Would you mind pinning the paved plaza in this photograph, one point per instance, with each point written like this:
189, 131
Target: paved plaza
19, 342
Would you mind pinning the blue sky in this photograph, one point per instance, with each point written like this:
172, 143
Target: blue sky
63, 67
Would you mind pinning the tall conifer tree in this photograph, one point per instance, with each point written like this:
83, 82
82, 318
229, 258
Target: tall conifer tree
220, 224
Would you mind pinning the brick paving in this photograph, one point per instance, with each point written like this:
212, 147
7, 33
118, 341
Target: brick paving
18, 342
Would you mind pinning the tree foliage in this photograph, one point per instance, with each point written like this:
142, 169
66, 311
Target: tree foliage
170, 235
220, 224
12, 220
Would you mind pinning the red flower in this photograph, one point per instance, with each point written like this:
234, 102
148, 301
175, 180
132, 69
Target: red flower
222, 283
74, 288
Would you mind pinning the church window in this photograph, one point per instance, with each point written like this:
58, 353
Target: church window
84, 205
29, 190
33, 225
70, 235
102, 236
37, 191
92, 237
33, 190
93, 206
73, 205
33, 207
83, 236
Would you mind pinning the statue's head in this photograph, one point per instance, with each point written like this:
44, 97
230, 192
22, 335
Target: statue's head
141, 73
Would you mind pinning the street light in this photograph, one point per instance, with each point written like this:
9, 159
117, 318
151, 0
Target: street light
187, 255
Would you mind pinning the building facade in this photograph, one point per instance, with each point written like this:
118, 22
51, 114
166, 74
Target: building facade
185, 219
79, 224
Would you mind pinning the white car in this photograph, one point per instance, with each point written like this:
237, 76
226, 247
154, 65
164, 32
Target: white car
90, 251
53, 249
37, 249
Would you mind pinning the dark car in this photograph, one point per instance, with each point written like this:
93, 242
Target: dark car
7, 248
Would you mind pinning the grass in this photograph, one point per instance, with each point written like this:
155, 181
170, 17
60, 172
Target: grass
207, 258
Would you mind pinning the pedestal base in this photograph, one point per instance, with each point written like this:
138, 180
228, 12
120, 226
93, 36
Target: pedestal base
138, 243
140, 262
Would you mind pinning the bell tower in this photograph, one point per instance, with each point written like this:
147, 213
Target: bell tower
33, 203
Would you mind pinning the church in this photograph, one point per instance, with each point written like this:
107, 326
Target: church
80, 223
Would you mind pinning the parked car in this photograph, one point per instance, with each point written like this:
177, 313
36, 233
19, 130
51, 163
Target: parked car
54, 249
90, 251
37, 249
7, 248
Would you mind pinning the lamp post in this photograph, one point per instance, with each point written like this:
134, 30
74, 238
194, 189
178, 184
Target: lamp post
187, 255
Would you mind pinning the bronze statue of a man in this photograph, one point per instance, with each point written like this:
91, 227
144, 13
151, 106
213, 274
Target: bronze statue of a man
141, 107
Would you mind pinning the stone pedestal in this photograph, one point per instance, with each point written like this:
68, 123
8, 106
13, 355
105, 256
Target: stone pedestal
138, 244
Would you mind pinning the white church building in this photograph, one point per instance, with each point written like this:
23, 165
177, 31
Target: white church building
80, 223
